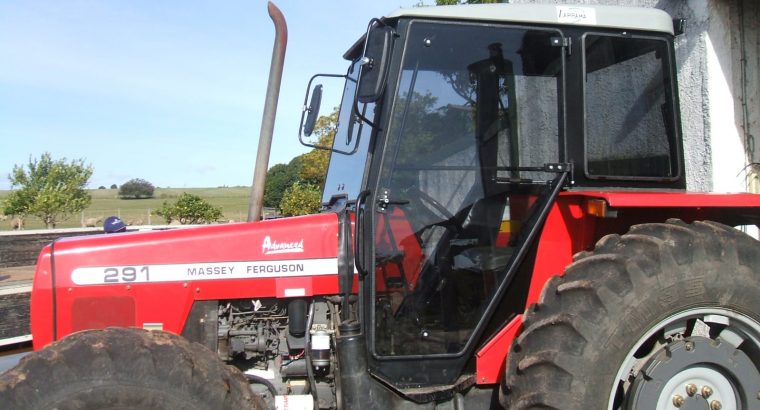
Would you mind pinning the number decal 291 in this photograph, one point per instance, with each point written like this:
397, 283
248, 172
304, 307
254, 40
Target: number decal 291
125, 274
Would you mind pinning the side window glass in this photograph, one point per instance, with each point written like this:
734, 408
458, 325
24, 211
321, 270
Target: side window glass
630, 129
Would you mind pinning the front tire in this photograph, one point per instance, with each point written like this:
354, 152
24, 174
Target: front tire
119, 368
666, 316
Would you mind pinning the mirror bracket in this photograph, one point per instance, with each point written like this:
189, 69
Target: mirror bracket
373, 71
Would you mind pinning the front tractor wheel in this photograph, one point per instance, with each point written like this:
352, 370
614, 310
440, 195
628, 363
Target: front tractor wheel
123, 369
666, 316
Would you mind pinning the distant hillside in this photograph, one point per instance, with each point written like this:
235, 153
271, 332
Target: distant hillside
233, 201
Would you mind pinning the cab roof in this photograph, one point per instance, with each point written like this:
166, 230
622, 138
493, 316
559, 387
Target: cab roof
615, 17
624, 18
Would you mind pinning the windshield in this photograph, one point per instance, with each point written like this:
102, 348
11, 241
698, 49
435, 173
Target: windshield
475, 118
348, 159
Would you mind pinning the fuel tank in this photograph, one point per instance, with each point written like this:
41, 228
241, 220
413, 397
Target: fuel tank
151, 279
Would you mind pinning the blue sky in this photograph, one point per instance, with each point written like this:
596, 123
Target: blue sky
168, 91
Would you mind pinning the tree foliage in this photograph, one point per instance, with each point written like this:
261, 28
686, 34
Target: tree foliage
308, 170
136, 188
279, 178
300, 199
189, 209
114, 186
51, 190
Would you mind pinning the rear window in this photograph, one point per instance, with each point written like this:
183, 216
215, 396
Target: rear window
630, 126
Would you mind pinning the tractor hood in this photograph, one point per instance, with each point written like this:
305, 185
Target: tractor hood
126, 279
217, 252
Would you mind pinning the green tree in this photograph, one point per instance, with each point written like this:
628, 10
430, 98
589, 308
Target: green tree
114, 186
190, 209
300, 199
136, 188
51, 190
279, 178
309, 168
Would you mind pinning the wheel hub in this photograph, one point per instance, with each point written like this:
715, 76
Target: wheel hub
698, 388
696, 373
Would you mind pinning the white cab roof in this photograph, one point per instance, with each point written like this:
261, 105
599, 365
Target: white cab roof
624, 18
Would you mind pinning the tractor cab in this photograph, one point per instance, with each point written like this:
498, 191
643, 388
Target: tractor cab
456, 134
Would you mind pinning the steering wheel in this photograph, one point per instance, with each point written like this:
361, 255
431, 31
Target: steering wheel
433, 203
448, 218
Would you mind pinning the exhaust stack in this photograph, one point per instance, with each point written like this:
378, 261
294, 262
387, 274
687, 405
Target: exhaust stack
270, 111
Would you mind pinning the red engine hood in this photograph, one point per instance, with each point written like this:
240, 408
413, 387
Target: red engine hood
153, 278
282, 247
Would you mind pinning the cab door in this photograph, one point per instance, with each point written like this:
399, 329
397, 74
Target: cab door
472, 121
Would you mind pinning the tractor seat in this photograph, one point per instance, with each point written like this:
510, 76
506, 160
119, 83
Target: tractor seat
474, 247
483, 259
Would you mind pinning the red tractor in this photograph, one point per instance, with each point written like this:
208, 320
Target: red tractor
504, 223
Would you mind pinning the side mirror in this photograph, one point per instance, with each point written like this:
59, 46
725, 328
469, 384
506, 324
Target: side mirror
310, 113
374, 62
313, 110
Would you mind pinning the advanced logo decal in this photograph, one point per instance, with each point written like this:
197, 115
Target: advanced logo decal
270, 247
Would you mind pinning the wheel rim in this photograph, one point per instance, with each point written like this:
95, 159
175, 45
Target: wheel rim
704, 358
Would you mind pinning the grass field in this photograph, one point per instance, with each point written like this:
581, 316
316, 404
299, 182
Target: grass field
105, 202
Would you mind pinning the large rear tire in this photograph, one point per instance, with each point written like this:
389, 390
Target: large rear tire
666, 316
120, 368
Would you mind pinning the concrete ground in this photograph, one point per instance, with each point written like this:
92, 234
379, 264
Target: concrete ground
16, 274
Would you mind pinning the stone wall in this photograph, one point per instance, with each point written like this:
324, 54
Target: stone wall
22, 248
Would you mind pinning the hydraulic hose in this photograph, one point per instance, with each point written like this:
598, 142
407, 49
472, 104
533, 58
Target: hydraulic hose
307, 356
265, 382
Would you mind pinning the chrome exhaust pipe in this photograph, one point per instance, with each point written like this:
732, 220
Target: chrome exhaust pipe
270, 111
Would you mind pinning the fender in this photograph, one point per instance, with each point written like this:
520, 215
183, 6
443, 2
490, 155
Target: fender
578, 219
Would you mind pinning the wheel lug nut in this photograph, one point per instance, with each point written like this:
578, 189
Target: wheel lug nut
691, 389
715, 405
678, 400
689, 346
707, 391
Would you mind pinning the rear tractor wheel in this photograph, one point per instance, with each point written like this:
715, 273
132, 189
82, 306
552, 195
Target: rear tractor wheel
666, 316
123, 369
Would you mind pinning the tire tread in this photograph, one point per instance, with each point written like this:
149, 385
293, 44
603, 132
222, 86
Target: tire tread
73, 372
